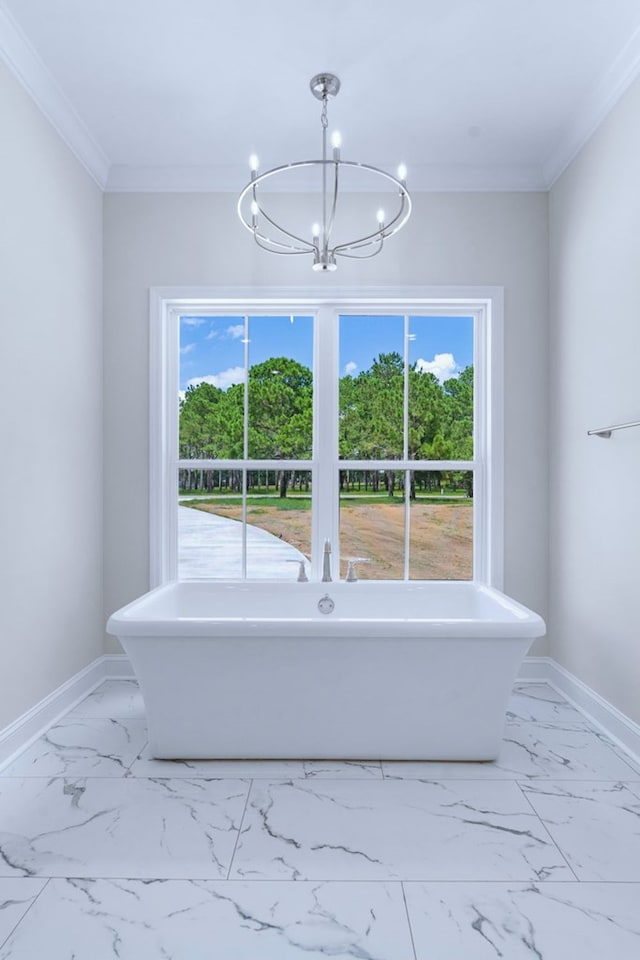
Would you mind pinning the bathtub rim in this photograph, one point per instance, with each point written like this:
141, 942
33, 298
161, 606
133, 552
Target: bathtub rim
522, 622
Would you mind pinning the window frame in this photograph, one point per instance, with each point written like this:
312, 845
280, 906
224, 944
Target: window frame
485, 304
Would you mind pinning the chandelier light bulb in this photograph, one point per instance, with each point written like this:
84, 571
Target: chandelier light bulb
255, 209
315, 230
380, 216
402, 172
253, 163
336, 139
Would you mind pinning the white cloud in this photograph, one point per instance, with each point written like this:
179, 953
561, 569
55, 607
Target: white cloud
350, 367
212, 333
223, 379
236, 331
443, 366
193, 321
187, 348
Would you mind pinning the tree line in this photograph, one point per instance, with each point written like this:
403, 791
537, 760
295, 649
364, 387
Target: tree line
371, 412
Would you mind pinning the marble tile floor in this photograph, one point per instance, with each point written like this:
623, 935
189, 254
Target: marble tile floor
107, 853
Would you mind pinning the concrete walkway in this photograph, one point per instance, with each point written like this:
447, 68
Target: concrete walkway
211, 546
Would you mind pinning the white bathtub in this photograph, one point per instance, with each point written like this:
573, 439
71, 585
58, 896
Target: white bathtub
419, 670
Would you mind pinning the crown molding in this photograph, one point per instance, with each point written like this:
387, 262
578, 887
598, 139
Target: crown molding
28, 68
22, 59
594, 109
231, 179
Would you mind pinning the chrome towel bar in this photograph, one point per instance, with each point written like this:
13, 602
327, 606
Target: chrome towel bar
607, 431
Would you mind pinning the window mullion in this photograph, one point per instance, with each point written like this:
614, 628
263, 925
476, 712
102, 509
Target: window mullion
245, 447
405, 414
245, 427
325, 435
168, 337
405, 451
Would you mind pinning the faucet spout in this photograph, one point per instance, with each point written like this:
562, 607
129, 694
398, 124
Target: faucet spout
326, 562
302, 573
351, 569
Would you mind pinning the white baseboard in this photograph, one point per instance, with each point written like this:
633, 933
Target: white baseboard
32, 724
22, 732
598, 711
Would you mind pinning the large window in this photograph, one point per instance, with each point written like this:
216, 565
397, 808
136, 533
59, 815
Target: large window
280, 424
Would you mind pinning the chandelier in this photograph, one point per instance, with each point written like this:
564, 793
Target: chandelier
276, 238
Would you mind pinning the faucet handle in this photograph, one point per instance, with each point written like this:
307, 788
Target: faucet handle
351, 573
302, 573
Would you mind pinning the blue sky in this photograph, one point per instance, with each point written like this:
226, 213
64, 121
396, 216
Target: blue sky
213, 348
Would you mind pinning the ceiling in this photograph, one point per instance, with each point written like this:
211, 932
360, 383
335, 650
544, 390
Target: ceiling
470, 94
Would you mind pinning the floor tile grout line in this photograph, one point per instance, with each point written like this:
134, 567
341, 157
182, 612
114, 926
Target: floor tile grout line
518, 778
622, 758
69, 717
420, 881
266, 779
547, 831
140, 752
618, 747
47, 881
629, 784
406, 909
235, 846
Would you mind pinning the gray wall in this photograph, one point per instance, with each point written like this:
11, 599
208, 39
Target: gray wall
183, 239
560, 380
50, 408
595, 381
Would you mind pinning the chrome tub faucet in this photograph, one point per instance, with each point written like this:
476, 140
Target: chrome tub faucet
326, 562
302, 573
351, 572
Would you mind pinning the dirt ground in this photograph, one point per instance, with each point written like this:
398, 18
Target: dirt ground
440, 544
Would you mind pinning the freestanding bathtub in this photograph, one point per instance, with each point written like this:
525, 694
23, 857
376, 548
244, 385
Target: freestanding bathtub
369, 670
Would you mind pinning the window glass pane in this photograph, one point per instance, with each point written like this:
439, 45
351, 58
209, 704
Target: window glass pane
210, 539
371, 388
372, 514
280, 388
441, 525
209, 534
441, 388
374, 355
278, 523
211, 387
